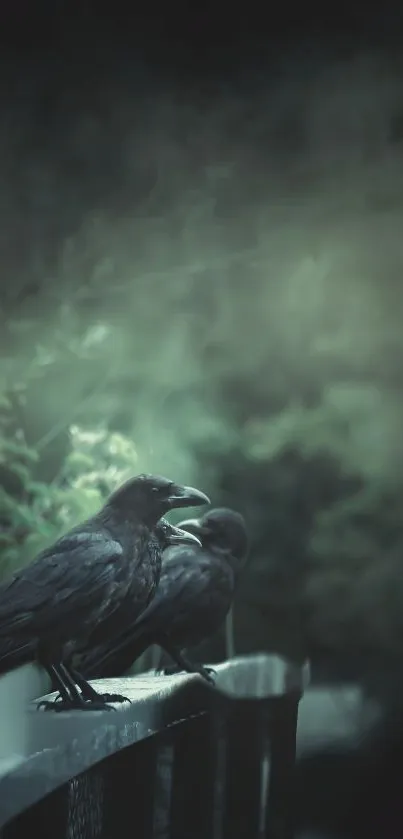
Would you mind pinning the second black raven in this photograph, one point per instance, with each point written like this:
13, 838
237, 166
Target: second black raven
194, 595
81, 585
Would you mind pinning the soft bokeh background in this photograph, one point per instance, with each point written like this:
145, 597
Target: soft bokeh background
210, 287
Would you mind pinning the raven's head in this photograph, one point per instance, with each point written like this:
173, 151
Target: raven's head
147, 498
221, 531
167, 534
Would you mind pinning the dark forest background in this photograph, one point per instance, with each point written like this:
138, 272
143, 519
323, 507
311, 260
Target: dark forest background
202, 277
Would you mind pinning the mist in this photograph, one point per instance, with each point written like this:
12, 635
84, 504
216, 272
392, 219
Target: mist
253, 234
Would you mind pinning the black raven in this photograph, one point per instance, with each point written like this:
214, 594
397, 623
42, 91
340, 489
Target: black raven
81, 586
194, 595
15, 652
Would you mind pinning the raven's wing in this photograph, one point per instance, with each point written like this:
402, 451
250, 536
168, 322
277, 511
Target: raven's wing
115, 657
76, 575
192, 582
195, 589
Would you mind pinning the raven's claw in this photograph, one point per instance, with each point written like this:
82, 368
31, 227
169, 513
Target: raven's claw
208, 674
90, 696
60, 705
169, 670
113, 697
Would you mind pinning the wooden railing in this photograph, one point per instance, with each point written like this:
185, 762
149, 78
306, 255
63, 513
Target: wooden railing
182, 761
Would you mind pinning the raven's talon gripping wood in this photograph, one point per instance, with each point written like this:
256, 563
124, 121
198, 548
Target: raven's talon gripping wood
169, 670
208, 674
114, 697
73, 705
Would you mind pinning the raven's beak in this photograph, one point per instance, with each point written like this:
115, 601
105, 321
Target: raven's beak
193, 526
182, 496
177, 536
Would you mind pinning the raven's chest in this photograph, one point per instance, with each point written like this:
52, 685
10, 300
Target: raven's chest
148, 569
139, 573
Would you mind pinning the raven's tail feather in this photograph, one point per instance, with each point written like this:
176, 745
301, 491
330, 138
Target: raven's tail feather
14, 655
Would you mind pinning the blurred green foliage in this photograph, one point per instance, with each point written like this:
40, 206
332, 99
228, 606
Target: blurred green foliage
34, 513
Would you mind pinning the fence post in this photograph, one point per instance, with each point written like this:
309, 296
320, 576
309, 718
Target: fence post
234, 770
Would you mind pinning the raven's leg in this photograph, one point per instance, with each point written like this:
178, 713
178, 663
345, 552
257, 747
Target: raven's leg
70, 697
74, 701
88, 692
57, 680
46, 660
184, 662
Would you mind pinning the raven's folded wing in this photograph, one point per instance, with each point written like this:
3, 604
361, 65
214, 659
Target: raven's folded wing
76, 575
115, 657
186, 585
